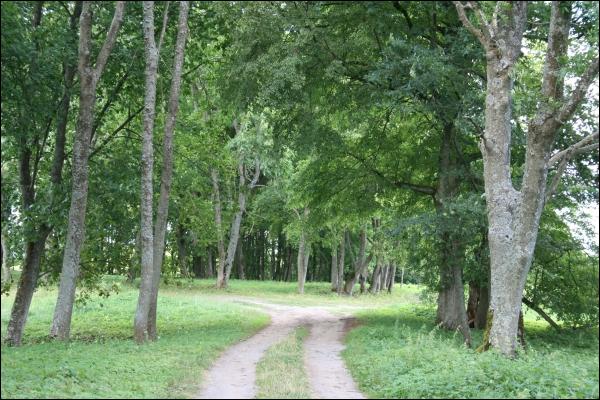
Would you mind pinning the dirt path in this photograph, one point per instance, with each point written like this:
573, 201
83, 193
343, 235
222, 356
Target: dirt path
327, 373
233, 375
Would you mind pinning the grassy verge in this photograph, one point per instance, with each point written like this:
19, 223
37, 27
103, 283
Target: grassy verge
280, 374
103, 362
315, 293
398, 353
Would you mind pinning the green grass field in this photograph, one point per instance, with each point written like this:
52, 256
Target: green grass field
315, 293
102, 359
398, 353
395, 352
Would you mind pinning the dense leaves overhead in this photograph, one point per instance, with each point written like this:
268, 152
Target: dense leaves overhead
353, 110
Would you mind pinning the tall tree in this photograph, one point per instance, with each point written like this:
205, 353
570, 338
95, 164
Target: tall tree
303, 251
30, 153
244, 189
147, 237
89, 76
162, 210
514, 214
214, 174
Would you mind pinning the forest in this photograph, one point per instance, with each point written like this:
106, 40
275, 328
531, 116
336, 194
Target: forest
362, 199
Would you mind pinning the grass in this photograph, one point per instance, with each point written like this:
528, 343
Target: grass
398, 353
395, 352
102, 360
280, 374
315, 293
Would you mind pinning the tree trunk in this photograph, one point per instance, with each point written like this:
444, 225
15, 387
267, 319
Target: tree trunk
385, 275
340, 269
197, 266
472, 303
88, 80
33, 248
280, 255
272, 259
451, 312
288, 269
182, 252
521, 330
359, 265
34, 252
209, 263
261, 254
234, 235
376, 279
334, 270
541, 313
514, 216
146, 227
393, 277
219, 226
160, 227
301, 265
6, 270
482, 307
241, 261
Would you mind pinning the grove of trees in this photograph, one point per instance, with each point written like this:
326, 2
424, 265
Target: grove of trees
452, 144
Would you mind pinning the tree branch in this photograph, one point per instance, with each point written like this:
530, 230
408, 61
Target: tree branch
563, 157
429, 190
113, 134
111, 38
541, 313
485, 37
164, 27
568, 108
256, 173
585, 144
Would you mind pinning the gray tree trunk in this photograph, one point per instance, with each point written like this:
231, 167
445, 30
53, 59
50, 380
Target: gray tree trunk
209, 264
6, 270
34, 252
513, 215
182, 256
234, 233
303, 252
376, 279
30, 266
88, 80
360, 264
334, 270
301, 264
385, 276
451, 311
34, 249
340, 270
392, 278
239, 254
219, 225
303, 256
162, 211
146, 228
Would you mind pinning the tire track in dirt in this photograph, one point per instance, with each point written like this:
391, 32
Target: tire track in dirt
233, 375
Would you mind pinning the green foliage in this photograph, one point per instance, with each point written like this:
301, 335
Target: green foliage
398, 353
564, 275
